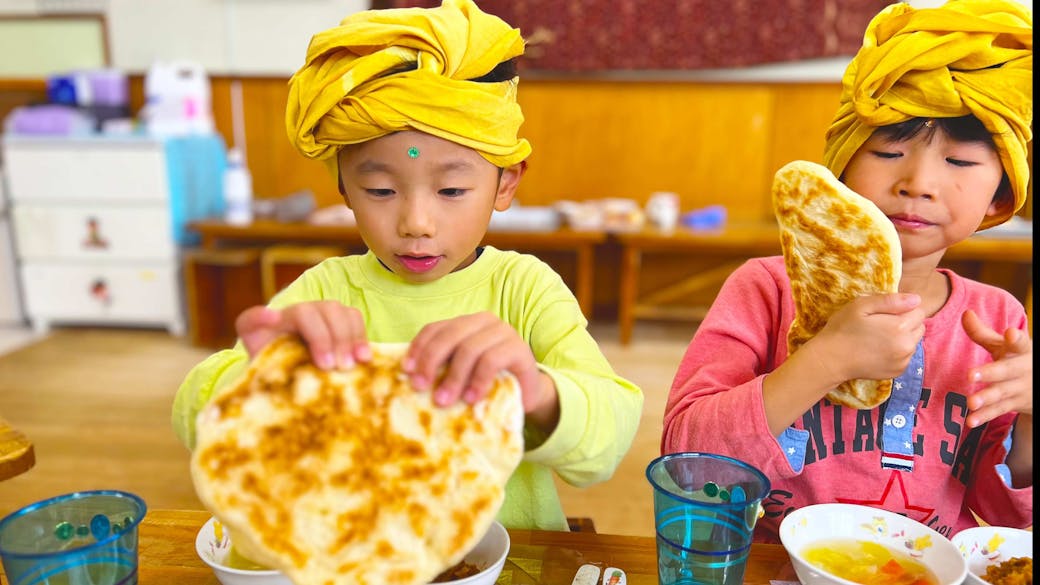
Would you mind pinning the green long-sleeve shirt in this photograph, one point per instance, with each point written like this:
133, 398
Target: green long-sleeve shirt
599, 411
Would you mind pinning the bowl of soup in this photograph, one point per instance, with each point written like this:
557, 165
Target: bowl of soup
849, 544
213, 545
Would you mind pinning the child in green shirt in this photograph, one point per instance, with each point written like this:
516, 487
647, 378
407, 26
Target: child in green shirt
415, 112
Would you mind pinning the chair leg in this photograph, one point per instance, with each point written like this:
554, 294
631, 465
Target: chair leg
581, 524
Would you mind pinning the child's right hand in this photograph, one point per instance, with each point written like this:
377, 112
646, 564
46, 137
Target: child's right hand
872, 337
334, 332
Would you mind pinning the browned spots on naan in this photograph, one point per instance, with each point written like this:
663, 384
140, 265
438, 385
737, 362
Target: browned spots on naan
353, 476
837, 246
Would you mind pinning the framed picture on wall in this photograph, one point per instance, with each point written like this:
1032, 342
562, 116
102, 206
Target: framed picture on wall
51, 43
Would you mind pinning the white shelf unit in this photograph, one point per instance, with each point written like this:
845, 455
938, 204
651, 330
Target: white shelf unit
99, 224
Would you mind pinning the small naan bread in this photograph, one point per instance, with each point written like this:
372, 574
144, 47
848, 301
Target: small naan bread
837, 246
353, 476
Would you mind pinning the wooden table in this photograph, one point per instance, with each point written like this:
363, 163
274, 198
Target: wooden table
215, 233
167, 556
737, 242
16, 451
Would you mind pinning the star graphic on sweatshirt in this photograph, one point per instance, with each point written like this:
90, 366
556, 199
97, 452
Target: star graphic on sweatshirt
895, 500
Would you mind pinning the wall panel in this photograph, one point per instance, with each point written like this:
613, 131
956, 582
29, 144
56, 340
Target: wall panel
710, 142
707, 142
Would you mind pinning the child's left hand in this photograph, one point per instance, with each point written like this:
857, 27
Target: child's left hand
1008, 378
474, 349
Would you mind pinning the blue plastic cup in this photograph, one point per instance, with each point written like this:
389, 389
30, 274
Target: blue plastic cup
82, 538
705, 509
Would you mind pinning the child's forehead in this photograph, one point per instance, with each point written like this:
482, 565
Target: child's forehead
410, 147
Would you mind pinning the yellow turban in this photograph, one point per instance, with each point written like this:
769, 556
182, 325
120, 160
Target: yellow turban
348, 91
965, 57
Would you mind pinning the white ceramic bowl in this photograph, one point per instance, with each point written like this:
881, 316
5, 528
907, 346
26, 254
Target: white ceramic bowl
489, 555
812, 524
214, 552
989, 545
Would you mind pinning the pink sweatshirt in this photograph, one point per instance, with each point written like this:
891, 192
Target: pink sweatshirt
833, 453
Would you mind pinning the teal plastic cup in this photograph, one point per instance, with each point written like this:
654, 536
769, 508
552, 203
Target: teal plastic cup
705, 509
82, 538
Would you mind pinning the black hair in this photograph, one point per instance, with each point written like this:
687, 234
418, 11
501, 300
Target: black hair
962, 129
504, 71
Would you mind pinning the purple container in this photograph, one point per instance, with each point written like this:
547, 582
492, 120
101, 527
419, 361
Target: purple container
50, 119
109, 87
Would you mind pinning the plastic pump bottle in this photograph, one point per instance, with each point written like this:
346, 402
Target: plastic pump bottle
238, 189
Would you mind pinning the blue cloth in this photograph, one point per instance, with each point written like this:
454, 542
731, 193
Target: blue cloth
897, 432
195, 165
793, 442
1002, 469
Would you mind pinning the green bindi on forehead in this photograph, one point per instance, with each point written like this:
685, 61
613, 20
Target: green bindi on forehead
413, 152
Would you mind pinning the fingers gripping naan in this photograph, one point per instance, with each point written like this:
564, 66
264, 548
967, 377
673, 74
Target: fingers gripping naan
353, 476
837, 246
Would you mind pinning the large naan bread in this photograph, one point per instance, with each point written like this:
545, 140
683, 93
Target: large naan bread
352, 476
837, 246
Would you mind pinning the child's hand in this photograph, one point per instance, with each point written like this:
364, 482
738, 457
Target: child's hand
1008, 378
474, 349
873, 337
335, 333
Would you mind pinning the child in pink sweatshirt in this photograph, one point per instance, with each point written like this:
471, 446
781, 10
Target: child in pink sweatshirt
932, 128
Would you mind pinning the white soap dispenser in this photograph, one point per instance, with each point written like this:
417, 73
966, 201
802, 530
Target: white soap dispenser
238, 189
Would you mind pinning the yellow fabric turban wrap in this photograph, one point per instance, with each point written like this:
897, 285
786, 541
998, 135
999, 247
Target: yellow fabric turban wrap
965, 57
344, 95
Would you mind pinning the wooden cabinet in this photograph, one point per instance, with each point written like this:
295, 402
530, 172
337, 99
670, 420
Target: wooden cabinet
99, 224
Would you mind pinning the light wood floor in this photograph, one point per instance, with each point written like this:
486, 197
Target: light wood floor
96, 404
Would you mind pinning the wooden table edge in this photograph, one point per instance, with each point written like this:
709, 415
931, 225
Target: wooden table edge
163, 530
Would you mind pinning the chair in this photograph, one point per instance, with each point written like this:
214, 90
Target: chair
581, 524
219, 284
281, 264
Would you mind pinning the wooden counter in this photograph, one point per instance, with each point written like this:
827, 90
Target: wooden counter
217, 233
995, 260
734, 244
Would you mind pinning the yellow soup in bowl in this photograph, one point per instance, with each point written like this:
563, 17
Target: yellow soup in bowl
868, 563
237, 560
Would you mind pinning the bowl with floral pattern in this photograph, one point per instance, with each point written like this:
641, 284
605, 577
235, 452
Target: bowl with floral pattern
850, 544
213, 545
986, 546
